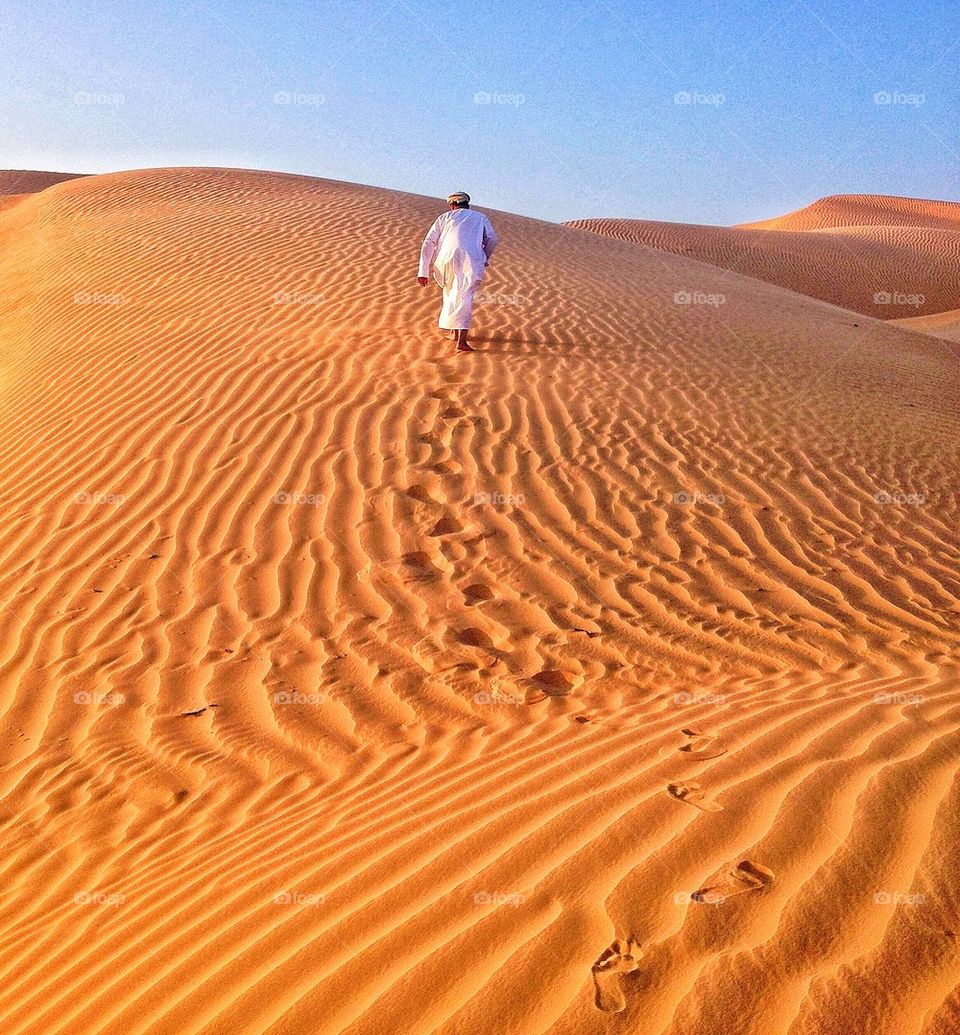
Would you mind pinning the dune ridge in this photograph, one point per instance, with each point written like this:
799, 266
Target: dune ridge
850, 210
30, 181
940, 325
345, 680
16, 184
894, 270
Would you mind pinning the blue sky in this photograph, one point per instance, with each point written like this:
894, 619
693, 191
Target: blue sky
712, 112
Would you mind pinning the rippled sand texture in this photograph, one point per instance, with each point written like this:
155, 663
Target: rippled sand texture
940, 325
882, 256
603, 681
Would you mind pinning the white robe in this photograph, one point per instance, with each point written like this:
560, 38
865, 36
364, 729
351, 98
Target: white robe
456, 251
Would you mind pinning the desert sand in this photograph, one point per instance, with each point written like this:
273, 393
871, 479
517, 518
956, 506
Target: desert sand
940, 325
16, 184
885, 257
605, 680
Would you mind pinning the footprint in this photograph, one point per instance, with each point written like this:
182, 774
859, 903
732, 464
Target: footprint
692, 794
623, 957
420, 567
553, 682
705, 746
421, 494
480, 538
757, 876
452, 412
746, 876
446, 526
477, 593
418, 559
474, 637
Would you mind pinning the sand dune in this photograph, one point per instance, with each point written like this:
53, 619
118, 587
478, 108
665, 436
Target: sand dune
15, 184
24, 181
853, 210
940, 325
606, 679
888, 270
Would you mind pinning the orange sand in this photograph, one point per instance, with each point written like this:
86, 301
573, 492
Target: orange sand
901, 260
603, 681
940, 325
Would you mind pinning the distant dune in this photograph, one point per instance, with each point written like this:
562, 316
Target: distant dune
941, 325
883, 266
852, 210
22, 181
17, 183
604, 680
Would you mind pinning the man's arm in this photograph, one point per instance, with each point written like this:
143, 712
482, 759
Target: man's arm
428, 250
490, 239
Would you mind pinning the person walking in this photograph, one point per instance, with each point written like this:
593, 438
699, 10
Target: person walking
456, 251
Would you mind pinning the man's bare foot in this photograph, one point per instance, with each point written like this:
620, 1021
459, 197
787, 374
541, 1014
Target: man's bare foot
462, 346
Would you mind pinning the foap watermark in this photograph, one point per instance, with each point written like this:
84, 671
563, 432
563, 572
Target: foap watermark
902, 499
498, 97
295, 697
686, 499
498, 499
98, 898
898, 898
298, 298
911, 298
699, 298
300, 499
111, 697
496, 697
499, 298
108, 499
98, 298
295, 99
882, 697
684, 698
498, 898
298, 898
107, 100
891, 98
686, 98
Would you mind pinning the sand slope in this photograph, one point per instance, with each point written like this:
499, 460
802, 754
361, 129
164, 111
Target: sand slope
848, 210
888, 271
349, 685
25, 181
16, 184
940, 325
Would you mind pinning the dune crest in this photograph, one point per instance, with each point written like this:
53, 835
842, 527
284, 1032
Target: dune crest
890, 258
849, 210
941, 325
